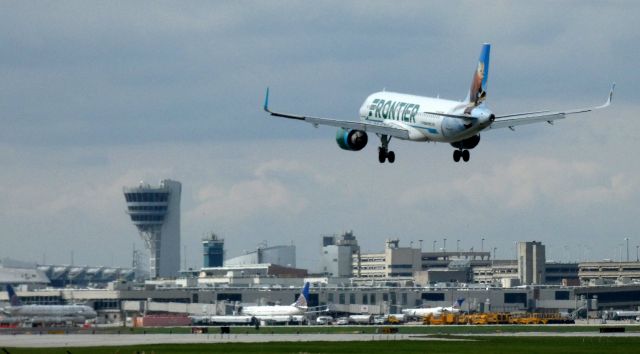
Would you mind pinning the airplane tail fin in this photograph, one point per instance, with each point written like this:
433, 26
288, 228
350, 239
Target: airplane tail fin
304, 297
14, 300
477, 91
458, 303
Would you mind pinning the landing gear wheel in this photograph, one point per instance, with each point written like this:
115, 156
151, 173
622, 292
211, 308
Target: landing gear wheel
382, 155
465, 155
456, 155
383, 150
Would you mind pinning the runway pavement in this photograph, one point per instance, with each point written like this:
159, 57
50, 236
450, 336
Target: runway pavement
88, 340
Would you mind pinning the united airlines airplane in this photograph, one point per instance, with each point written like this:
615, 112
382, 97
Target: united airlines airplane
297, 308
46, 313
416, 118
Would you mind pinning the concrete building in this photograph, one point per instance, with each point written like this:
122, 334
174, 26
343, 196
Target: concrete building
608, 272
503, 272
155, 211
281, 255
213, 251
396, 261
339, 253
561, 274
531, 262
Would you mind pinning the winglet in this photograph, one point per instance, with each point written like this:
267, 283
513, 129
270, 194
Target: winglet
610, 98
613, 87
266, 101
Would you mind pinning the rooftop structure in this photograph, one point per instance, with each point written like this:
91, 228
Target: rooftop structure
280, 255
155, 211
338, 254
213, 251
531, 262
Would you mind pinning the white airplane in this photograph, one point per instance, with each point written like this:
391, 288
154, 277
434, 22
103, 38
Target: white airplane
434, 311
46, 313
297, 308
416, 118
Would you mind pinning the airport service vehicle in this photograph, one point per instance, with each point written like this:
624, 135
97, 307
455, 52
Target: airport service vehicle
324, 320
427, 119
45, 314
434, 311
361, 319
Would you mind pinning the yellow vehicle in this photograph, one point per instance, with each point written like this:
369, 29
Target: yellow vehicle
392, 320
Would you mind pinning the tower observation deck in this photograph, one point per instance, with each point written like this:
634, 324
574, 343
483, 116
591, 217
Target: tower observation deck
155, 211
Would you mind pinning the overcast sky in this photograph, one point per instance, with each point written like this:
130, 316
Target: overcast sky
95, 96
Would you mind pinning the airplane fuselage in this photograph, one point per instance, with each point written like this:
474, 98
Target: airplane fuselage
54, 311
434, 311
277, 310
414, 113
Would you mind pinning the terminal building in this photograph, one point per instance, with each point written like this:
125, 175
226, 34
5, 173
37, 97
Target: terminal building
155, 211
349, 282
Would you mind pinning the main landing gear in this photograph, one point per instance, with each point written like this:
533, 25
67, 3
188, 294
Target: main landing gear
383, 150
457, 154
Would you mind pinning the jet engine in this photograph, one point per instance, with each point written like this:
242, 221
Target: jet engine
352, 140
468, 143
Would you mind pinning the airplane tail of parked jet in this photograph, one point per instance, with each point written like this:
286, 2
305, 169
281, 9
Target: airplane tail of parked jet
302, 300
14, 300
458, 303
478, 90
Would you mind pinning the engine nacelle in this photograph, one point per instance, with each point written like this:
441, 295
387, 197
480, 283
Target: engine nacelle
482, 113
468, 143
352, 140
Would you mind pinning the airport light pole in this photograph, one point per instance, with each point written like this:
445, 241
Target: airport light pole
444, 245
457, 245
434, 245
627, 239
420, 245
482, 245
494, 252
637, 259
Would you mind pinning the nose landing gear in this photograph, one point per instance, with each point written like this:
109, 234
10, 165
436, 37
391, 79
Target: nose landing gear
460, 153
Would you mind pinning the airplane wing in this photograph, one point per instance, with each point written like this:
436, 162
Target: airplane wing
317, 309
512, 120
345, 124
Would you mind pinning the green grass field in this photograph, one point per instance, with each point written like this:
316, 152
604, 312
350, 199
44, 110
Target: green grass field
492, 345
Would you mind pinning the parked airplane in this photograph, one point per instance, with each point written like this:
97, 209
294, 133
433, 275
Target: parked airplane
434, 311
416, 118
297, 308
46, 313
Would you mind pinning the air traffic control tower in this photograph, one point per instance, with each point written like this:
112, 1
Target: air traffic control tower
155, 211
